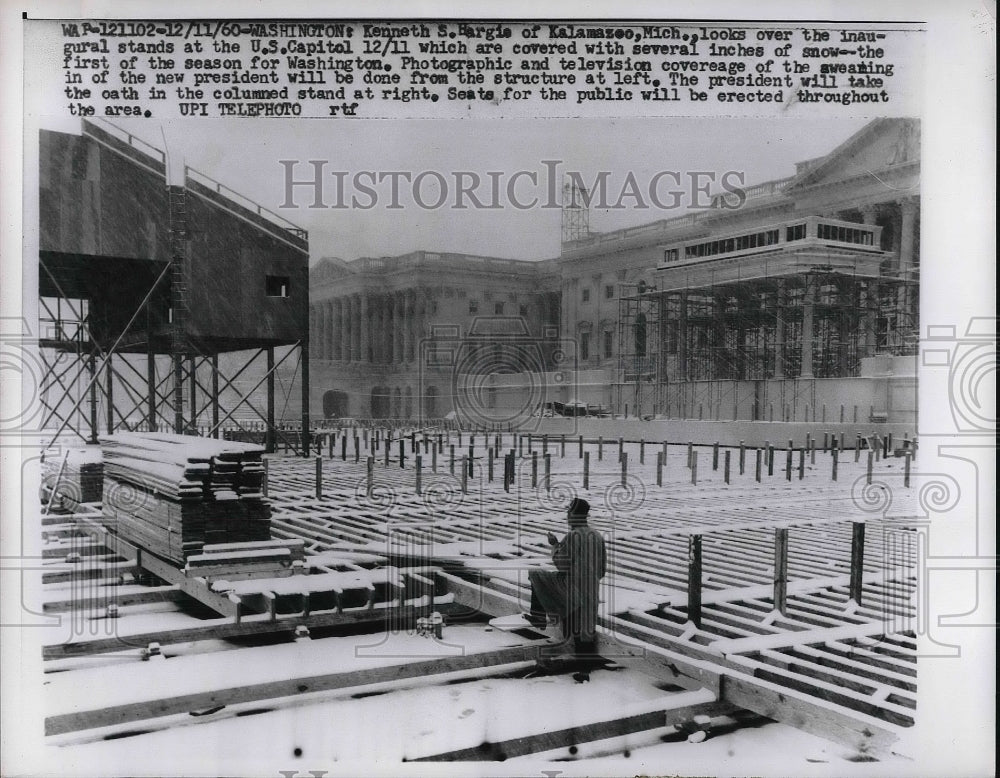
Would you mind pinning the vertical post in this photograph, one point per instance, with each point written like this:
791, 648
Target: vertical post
906, 469
109, 385
871, 457
694, 468
92, 367
659, 468
694, 579
581, 447
624, 469
357, 449
304, 348
434, 459
193, 391
402, 453
836, 457
690, 453
534, 469
267, 472
151, 392
642, 451
586, 470
343, 447
857, 448
562, 445
385, 450
725, 466
621, 448
780, 569
418, 463
742, 457
451, 458
758, 466
548, 472
857, 559
178, 393
370, 475
506, 472
770, 459
788, 464
489, 463
319, 477
545, 444
802, 463
600, 448
465, 474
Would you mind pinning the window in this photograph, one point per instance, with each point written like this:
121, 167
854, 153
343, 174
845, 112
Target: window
586, 295
584, 346
473, 306
276, 286
609, 350
609, 292
498, 309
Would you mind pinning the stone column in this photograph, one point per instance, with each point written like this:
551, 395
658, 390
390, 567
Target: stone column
398, 327
808, 301
408, 326
365, 315
329, 326
345, 338
338, 329
908, 209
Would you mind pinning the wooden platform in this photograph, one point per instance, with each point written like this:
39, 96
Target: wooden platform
774, 628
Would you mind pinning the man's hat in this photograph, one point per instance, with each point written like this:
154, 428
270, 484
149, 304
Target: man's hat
579, 508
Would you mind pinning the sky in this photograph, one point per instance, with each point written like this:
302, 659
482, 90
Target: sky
246, 156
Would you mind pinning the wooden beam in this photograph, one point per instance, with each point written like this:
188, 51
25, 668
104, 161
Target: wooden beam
637, 718
290, 687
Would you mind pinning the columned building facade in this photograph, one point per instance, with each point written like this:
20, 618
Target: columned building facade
799, 301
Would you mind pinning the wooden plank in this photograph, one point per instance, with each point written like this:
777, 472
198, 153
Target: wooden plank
636, 718
290, 687
224, 629
806, 637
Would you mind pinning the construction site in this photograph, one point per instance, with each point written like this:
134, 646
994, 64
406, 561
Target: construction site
247, 560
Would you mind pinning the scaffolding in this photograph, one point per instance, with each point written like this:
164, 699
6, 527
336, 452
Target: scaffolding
734, 349
641, 381
129, 336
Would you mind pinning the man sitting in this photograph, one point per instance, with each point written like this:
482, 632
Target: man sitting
572, 592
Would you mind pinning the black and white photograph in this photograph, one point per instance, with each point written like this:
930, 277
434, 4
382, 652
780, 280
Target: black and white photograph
514, 395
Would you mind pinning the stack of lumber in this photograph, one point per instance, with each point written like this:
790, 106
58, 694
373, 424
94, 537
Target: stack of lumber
172, 494
75, 473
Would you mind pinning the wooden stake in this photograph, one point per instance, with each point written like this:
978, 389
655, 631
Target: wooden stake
319, 477
694, 468
780, 569
659, 468
586, 469
694, 579
624, 469
857, 559
726, 466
